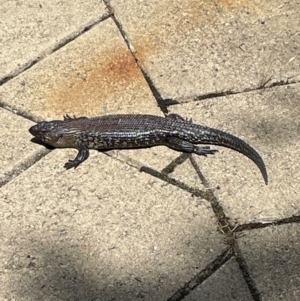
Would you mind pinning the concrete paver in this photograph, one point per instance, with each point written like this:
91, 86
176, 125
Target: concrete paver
106, 231
269, 121
273, 257
192, 48
30, 29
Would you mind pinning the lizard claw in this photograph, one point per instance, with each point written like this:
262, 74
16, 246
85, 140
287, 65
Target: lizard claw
71, 163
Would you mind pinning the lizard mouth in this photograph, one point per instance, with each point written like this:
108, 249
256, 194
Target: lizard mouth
38, 132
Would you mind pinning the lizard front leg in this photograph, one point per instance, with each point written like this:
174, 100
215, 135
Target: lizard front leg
83, 154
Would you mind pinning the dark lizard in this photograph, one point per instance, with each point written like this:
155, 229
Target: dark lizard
137, 131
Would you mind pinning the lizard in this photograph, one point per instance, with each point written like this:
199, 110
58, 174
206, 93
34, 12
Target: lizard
123, 131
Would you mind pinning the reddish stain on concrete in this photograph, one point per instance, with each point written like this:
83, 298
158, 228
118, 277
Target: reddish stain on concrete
90, 85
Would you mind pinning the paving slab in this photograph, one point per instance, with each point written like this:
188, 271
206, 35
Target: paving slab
225, 284
273, 257
92, 75
192, 48
269, 121
15, 148
101, 232
31, 29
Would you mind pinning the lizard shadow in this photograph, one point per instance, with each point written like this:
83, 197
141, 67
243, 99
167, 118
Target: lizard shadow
40, 142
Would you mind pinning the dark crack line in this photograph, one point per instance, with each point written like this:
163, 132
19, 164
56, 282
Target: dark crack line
215, 95
230, 92
85, 29
66, 40
210, 269
198, 171
19, 169
161, 103
176, 162
172, 181
246, 273
267, 223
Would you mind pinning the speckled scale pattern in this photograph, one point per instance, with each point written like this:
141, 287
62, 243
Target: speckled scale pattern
124, 131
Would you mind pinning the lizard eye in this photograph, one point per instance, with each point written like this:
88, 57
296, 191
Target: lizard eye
47, 127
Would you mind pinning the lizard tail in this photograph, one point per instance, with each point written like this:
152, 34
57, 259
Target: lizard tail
205, 135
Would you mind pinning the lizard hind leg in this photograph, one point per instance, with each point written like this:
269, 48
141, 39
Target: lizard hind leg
188, 147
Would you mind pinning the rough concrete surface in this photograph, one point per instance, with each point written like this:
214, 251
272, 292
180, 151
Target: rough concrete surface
119, 233
31, 29
273, 257
151, 224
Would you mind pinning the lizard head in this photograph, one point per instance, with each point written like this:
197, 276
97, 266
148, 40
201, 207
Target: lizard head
52, 133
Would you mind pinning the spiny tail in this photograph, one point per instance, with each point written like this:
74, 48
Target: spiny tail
206, 135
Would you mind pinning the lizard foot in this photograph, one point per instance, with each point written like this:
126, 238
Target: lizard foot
71, 163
